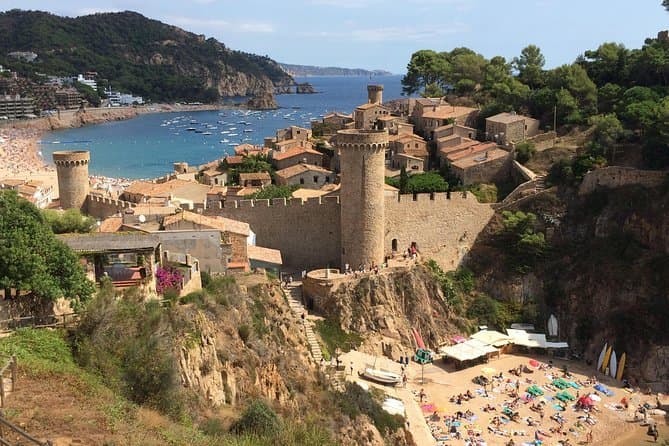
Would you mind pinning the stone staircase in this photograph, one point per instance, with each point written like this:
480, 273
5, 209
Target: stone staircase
294, 295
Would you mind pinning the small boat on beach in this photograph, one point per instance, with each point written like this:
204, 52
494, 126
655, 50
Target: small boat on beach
381, 376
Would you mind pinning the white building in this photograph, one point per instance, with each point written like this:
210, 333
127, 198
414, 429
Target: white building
89, 82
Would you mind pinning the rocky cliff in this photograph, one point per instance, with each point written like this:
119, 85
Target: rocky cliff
386, 306
605, 275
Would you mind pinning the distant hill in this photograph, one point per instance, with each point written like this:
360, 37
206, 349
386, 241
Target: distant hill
308, 70
136, 54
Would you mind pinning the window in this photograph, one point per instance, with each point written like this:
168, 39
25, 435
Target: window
315, 178
327, 179
301, 180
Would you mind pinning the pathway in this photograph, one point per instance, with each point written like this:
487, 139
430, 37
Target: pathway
294, 295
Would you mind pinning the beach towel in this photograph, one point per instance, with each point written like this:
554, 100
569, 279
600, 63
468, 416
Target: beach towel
428, 407
603, 389
558, 407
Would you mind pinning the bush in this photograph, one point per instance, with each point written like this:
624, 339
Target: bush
258, 419
244, 331
355, 401
199, 298
335, 337
524, 152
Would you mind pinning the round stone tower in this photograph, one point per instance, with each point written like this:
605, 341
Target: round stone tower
72, 170
375, 94
362, 154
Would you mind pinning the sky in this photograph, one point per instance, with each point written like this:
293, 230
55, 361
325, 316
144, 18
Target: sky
382, 34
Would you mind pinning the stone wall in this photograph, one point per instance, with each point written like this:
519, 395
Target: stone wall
616, 176
307, 233
101, 207
543, 141
443, 228
205, 245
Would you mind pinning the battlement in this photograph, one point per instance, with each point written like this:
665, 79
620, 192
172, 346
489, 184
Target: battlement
358, 139
432, 197
71, 158
111, 201
275, 203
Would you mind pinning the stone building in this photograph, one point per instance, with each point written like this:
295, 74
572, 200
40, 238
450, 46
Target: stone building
366, 115
255, 179
362, 155
297, 155
486, 166
72, 172
403, 149
509, 128
305, 175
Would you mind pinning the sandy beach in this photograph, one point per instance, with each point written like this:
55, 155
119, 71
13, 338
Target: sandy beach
610, 423
20, 156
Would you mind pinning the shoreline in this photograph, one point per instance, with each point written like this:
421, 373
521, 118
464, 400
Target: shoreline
21, 158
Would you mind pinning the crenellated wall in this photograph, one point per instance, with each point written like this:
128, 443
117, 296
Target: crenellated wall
443, 228
306, 232
103, 207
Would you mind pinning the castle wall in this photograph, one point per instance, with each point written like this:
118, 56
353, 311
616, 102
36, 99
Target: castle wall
444, 229
614, 176
102, 207
307, 233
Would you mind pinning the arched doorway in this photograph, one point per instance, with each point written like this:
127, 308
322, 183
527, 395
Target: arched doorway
394, 245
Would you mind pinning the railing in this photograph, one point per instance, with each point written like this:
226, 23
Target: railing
11, 366
4, 423
65, 320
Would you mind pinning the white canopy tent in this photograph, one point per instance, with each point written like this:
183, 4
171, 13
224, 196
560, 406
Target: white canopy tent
468, 350
492, 337
533, 340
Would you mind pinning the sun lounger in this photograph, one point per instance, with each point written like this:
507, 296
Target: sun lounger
565, 396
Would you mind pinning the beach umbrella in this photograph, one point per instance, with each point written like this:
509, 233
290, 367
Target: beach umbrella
488, 371
458, 339
534, 363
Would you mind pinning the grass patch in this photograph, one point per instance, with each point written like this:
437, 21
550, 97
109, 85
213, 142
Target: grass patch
39, 351
335, 337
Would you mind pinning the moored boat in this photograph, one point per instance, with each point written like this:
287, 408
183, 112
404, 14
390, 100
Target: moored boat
381, 376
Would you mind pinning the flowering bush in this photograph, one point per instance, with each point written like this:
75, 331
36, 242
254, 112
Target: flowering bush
167, 278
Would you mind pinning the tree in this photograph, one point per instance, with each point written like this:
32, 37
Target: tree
607, 129
32, 259
530, 66
404, 181
524, 152
665, 3
275, 191
68, 221
426, 67
88, 93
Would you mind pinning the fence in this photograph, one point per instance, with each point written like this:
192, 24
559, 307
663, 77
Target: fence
4, 423
65, 320
10, 366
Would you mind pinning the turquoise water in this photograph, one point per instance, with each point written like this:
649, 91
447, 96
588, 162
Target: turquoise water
146, 146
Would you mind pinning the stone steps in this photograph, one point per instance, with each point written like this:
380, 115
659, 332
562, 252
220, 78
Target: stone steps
294, 295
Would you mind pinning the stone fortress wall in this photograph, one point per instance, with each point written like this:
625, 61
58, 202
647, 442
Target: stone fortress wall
308, 233
616, 176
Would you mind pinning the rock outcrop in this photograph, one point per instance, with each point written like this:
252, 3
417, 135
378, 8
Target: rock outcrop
263, 101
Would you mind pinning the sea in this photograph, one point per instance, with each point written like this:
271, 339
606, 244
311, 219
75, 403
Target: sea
146, 146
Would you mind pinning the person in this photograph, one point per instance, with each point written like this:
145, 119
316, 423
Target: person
588, 437
304, 316
290, 279
351, 368
404, 380
421, 395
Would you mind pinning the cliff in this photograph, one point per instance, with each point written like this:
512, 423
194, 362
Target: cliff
136, 54
605, 274
386, 306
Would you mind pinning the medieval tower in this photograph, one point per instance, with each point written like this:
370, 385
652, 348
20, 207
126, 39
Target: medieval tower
375, 94
362, 154
72, 171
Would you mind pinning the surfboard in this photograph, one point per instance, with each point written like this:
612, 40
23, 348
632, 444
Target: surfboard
418, 338
613, 364
621, 367
607, 356
552, 325
601, 357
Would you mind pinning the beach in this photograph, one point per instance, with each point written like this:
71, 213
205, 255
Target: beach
610, 423
20, 156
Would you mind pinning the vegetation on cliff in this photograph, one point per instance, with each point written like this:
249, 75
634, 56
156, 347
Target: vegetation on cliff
134, 54
32, 260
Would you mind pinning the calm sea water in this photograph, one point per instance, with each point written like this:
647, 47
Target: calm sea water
146, 146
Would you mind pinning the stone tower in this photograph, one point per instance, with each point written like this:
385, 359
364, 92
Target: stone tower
72, 170
375, 94
362, 155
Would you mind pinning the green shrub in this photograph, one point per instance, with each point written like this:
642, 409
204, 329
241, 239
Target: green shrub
524, 152
355, 401
258, 419
244, 332
199, 298
335, 337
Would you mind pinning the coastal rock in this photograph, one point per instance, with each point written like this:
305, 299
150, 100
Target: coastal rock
305, 88
264, 101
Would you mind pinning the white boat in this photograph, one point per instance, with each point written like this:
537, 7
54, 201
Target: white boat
206, 133
381, 376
